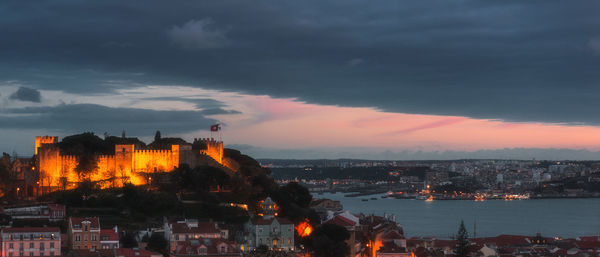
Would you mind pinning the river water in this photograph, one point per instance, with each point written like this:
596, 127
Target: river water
441, 218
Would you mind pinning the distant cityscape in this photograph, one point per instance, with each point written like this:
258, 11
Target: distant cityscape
458, 179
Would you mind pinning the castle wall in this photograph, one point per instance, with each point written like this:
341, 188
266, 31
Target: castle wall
214, 149
127, 165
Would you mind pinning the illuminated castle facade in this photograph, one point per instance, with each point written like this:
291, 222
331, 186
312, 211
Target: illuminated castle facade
126, 165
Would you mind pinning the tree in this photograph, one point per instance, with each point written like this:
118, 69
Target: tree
86, 165
128, 240
329, 240
158, 243
462, 246
157, 136
294, 202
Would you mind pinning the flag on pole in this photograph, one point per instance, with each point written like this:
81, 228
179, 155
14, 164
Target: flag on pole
215, 127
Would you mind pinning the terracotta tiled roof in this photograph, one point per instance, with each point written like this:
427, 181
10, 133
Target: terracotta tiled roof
131, 252
445, 243
56, 207
94, 253
212, 245
203, 228
341, 221
393, 235
503, 240
391, 247
94, 221
585, 245
589, 238
261, 221
109, 234
31, 229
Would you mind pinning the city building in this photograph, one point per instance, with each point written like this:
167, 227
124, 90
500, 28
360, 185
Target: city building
52, 212
115, 252
184, 230
41, 241
206, 247
269, 230
84, 233
109, 238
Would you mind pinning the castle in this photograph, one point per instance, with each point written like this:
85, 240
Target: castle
128, 164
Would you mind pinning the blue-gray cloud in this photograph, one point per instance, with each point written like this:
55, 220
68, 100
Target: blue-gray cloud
511, 60
75, 118
27, 94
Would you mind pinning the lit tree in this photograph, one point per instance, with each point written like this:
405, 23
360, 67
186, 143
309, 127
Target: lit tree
86, 165
462, 246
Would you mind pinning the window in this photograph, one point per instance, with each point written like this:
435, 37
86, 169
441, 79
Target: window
177, 237
51, 253
260, 230
85, 228
30, 245
30, 253
94, 238
223, 249
77, 238
21, 246
289, 240
42, 246
51, 244
10, 254
85, 238
11, 246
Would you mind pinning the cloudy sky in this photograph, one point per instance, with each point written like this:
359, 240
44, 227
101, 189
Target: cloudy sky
309, 79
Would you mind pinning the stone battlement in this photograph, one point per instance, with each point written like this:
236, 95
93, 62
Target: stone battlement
127, 164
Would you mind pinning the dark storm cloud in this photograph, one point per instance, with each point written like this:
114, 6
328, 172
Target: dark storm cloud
27, 94
90, 117
511, 60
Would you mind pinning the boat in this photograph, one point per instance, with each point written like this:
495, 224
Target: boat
374, 198
429, 199
364, 200
421, 197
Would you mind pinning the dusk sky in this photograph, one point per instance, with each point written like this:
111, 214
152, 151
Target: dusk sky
309, 79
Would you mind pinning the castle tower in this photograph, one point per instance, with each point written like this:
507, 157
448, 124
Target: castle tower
124, 161
39, 140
